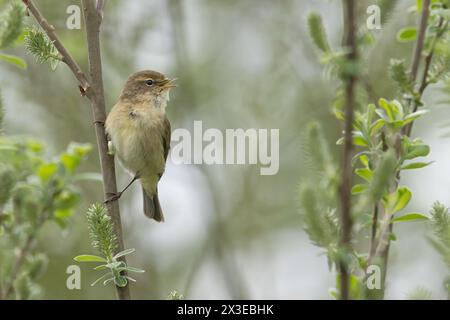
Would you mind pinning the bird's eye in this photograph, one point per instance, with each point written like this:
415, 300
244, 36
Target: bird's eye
149, 82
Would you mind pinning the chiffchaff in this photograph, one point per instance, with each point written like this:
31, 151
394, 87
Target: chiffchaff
139, 133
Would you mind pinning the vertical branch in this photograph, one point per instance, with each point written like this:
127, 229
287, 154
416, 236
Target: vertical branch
417, 55
93, 18
346, 183
383, 244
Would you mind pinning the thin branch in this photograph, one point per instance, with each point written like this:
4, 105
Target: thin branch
66, 57
347, 172
429, 57
93, 22
420, 39
383, 244
95, 92
374, 230
18, 265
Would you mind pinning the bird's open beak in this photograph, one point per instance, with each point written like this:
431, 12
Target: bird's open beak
168, 83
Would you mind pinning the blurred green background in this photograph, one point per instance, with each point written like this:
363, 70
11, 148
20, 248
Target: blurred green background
229, 232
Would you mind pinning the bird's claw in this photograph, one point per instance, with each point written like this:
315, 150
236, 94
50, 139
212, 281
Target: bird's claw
113, 197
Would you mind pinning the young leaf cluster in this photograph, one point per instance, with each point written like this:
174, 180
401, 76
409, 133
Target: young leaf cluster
317, 193
38, 44
101, 231
385, 151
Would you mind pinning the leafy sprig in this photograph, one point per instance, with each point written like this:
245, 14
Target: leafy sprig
38, 44
101, 231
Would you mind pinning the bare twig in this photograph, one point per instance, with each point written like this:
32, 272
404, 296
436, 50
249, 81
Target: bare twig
347, 172
94, 91
67, 58
93, 22
374, 230
417, 55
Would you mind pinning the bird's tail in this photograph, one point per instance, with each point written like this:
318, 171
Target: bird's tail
152, 208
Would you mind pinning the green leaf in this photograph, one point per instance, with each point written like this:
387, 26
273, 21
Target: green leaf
64, 213
407, 34
416, 165
89, 258
130, 278
359, 188
46, 171
62, 223
124, 253
339, 114
317, 31
66, 200
18, 62
365, 173
419, 5
364, 160
414, 151
404, 195
383, 175
80, 149
360, 141
101, 278
70, 162
386, 106
411, 217
115, 265
397, 200
132, 269
101, 267
108, 281
413, 116
376, 126
120, 281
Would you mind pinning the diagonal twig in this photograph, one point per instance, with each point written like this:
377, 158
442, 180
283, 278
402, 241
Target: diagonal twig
66, 57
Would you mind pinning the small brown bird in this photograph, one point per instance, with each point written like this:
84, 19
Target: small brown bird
139, 134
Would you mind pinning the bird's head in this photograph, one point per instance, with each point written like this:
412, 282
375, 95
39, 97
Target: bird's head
148, 85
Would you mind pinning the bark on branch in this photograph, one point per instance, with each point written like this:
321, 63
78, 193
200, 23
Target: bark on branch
347, 172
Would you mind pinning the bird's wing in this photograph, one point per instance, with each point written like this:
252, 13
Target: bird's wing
166, 132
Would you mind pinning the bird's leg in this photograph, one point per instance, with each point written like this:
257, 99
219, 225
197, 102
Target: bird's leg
116, 196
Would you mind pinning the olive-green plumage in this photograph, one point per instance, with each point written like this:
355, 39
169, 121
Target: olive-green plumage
140, 132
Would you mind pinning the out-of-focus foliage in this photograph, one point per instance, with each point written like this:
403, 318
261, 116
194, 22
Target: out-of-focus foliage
11, 27
317, 32
101, 231
11, 24
33, 191
440, 223
419, 293
318, 193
